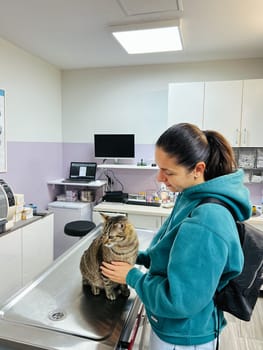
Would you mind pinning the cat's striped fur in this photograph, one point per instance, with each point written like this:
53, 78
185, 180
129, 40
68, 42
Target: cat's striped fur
118, 241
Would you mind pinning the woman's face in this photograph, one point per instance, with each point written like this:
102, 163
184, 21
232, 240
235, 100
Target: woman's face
176, 177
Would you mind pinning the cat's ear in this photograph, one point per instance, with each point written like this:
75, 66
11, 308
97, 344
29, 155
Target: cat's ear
105, 217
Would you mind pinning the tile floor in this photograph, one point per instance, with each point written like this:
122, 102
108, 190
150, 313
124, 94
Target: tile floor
237, 335
241, 335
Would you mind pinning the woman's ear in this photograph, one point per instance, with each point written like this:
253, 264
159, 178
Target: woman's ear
199, 169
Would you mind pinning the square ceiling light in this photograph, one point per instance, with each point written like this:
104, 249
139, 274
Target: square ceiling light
149, 37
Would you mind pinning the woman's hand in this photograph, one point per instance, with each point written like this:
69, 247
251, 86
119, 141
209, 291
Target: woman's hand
116, 271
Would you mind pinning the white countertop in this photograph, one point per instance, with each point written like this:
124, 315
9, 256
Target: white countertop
117, 207
128, 166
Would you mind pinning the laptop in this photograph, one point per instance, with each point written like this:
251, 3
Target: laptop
82, 172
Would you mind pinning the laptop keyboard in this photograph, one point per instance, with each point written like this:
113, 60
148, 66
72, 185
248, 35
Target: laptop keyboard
77, 180
150, 204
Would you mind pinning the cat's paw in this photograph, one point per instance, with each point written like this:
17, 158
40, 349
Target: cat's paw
85, 282
111, 295
125, 291
95, 290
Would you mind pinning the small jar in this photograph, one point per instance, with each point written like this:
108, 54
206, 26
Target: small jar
254, 210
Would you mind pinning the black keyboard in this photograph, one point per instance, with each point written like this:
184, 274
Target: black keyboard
76, 181
150, 204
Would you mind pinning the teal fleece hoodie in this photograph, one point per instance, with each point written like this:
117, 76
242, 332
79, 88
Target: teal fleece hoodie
195, 252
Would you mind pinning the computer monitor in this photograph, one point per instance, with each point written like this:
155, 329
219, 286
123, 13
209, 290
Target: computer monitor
114, 146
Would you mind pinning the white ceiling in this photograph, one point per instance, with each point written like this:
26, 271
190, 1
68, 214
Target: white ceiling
74, 34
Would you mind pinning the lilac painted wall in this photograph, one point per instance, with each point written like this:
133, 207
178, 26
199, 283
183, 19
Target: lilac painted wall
29, 166
133, 181
136, 180
79, 152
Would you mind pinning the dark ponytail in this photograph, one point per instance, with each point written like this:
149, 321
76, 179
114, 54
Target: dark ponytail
221, 160
189, 145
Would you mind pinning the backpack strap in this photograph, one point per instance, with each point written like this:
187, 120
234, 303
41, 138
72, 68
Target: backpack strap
218, 201
239, 224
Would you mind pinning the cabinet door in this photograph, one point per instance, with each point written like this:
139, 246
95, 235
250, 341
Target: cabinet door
64, 212
37, 247
10, 264
222, 108
145, 221
256, 224
186, 103
252, 116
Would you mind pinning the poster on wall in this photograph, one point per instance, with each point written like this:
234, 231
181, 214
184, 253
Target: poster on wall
2, 133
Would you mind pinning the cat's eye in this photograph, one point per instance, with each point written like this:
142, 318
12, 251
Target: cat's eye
121, 225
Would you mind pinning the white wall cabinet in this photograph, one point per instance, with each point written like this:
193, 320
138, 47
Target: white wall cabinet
233, 108
186, 103
252, 113
223, 108
24, 253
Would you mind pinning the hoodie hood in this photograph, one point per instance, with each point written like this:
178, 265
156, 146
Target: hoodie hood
228, 188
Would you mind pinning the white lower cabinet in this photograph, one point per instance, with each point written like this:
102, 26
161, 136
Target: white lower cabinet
141, 216
256, 223
37, 247
149, 222
24, 253
10, 264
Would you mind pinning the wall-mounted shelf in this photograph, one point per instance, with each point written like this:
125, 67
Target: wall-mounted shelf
59, 187
96, 183
127, 166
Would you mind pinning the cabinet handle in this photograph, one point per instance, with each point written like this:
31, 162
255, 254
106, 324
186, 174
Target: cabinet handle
244, 136
237, 137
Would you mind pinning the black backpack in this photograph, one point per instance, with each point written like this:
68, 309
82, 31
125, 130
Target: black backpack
239, 296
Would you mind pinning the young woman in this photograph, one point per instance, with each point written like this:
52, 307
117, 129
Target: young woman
197, 249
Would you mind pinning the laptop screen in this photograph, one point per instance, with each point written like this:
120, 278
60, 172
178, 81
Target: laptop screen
83, 171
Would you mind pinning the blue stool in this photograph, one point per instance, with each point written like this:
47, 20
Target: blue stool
79, 228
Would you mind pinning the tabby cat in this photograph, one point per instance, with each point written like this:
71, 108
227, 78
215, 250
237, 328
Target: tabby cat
118, 241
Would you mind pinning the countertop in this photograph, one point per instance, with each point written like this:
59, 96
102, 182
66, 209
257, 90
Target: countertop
22, 223
117, 207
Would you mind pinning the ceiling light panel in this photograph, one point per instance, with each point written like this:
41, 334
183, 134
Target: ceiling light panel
149, 37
